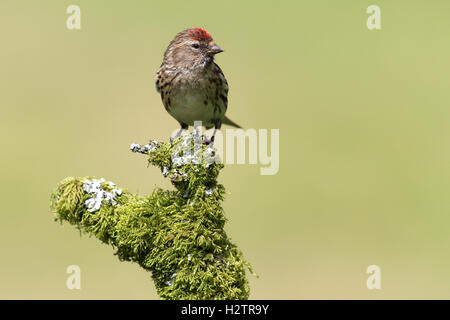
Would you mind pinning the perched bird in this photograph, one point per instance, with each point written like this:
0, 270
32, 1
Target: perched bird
192, 86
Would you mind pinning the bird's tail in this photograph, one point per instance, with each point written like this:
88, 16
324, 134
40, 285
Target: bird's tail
230, 123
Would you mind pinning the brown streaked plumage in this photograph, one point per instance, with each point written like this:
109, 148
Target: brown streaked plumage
192, 86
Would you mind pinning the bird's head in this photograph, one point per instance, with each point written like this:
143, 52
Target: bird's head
192, 48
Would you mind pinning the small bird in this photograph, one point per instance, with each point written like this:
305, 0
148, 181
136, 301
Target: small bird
192, 86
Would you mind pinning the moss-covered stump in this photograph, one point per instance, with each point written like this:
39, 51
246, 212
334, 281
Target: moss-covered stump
177, 235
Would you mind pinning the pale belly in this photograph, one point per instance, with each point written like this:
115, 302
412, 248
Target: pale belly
189, 106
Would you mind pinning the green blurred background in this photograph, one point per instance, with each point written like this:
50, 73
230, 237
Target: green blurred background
364, 140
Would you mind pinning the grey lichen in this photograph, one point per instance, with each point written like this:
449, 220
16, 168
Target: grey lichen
98, 194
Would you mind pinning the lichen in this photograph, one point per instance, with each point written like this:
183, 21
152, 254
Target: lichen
178, 234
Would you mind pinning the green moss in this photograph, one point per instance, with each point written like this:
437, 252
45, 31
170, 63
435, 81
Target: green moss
177, 235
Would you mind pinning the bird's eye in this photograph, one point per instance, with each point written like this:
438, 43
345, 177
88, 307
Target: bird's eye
196, 45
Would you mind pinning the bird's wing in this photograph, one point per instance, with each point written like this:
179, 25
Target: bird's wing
224, 96
158, 80
223, 84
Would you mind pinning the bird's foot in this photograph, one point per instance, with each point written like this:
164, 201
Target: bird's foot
208, 142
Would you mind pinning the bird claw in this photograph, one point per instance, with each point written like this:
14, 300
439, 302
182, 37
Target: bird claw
208, 142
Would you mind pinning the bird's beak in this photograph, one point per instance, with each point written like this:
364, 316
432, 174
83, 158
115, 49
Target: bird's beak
214, 48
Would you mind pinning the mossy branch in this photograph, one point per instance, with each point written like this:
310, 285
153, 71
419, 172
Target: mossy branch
177, 235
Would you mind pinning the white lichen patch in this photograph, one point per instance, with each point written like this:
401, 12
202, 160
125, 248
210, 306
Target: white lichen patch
190, 151
172, 279
165, 171
145, 149
177, 173
98, 194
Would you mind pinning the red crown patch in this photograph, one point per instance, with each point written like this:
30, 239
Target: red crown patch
200, 34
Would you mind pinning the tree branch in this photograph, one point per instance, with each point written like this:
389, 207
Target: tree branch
178, 235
